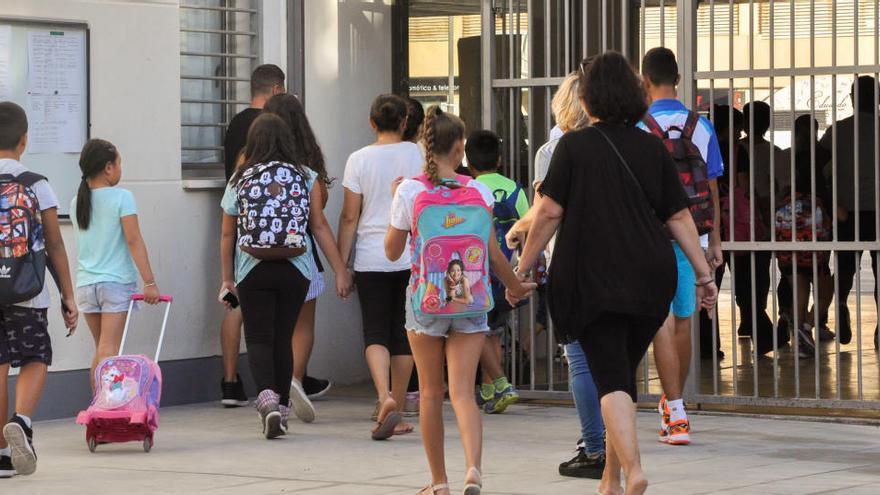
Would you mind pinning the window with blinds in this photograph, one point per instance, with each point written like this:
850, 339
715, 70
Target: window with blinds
219, 48
824, 17
708, 17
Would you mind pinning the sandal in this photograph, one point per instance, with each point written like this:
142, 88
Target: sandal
432, 489
385, 428
403, 429
473, 482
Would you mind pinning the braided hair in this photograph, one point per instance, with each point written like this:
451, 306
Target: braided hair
440, 133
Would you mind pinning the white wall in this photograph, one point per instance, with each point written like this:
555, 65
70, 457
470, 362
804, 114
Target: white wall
135, 103
347, 64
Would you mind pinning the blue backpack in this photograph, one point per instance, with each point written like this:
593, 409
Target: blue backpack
504, 215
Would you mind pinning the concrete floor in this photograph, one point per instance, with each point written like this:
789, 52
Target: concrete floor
207, 449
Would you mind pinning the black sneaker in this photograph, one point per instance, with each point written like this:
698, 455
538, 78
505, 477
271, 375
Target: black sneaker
584, 465
21, 440
806, 344
233, 393
315, 387
6, 469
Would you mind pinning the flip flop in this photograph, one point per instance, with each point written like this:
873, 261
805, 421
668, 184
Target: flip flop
385, 429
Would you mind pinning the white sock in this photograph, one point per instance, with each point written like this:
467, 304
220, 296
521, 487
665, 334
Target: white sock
676, 410
7, 451
26, 419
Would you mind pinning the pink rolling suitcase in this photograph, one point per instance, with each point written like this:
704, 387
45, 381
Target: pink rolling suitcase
127, 392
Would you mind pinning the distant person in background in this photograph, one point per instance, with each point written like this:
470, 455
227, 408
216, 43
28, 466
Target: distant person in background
756, 119
852, 184
415, 117
266, 82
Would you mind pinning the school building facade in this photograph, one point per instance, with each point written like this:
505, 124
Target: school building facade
166, 75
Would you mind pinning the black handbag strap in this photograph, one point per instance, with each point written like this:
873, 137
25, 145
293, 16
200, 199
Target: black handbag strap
627, 168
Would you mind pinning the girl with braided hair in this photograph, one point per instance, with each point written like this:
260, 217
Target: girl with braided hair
458, 339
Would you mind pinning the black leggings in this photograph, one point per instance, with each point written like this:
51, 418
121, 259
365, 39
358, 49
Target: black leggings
271, 296
614, 345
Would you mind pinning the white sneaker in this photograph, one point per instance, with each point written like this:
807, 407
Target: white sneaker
299, 401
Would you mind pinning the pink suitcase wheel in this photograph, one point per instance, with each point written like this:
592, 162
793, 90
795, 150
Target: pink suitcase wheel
93, 443
148, 443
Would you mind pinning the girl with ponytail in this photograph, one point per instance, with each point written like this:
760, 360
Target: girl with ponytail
458, 339
111, 249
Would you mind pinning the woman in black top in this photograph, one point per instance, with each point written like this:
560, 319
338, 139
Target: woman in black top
609, 190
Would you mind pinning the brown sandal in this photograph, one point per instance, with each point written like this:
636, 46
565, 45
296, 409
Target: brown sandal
432, 489
385, 428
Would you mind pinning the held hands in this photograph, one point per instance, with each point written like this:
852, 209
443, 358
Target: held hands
521, 291
344, 284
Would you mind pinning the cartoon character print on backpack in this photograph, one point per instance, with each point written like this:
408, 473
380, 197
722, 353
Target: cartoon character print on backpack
801, 228
273, 211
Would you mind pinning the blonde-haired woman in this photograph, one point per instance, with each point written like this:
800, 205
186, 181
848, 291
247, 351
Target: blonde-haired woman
589, 461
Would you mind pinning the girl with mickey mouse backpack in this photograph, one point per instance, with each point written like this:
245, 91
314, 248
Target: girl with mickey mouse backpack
267, 202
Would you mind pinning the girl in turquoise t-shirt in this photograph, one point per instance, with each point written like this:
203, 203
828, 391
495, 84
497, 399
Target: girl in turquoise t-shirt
111, 249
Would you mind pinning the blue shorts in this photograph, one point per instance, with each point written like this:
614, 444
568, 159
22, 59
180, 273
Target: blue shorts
105, 297
684, 304
440, 326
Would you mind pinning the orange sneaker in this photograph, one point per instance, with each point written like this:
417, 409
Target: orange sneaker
663, 409
679, 433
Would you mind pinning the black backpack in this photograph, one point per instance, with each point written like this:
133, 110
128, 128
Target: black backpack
692, 169
273, 211
22, 245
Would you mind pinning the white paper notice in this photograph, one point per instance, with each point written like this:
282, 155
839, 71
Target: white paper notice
5, 63
55, 94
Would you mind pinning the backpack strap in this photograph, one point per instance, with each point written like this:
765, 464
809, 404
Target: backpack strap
690, 126
654, 126
30, 178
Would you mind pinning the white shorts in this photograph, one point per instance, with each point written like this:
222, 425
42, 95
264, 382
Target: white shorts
316, 287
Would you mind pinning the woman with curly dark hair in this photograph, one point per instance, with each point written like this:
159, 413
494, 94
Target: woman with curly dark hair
609, 190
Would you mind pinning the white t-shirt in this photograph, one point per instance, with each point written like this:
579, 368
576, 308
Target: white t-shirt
404, 199
370, 172
46, 197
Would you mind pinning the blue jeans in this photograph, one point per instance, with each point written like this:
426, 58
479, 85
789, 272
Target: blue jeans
586, 399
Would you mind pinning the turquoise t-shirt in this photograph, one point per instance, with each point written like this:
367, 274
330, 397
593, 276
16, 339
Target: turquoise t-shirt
103, 250
244, 262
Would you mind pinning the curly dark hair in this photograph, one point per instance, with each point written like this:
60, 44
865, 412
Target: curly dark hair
611, 90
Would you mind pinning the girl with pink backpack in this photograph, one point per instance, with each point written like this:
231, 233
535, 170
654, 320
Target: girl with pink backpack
449, 217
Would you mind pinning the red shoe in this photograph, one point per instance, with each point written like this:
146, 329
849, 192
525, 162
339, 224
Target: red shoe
663, 409
679, 433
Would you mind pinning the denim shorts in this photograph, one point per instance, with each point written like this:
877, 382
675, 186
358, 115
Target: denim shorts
684, 304
105, 297
440, 327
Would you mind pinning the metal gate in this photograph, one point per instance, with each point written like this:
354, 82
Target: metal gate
801, 58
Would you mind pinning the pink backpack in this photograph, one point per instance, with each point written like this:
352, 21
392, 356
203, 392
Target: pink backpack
450, 243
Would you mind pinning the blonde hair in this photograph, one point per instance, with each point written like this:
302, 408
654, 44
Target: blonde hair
440, 132
566, 105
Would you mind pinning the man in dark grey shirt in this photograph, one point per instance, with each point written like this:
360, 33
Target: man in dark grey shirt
856, 180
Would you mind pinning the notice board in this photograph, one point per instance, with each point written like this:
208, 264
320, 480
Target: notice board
44, 68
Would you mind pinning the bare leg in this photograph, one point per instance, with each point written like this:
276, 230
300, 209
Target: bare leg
490, 359
683, 348
29, 387
401, 371
4, 401
619, 413
610, 484
667, 359
803, 300
428, 354
230, 343
462, 355
303, 339
93, 320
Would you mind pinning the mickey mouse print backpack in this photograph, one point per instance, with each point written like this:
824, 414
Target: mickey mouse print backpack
273, 211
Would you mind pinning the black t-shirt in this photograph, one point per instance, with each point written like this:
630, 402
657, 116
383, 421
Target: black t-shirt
236, 137
612, 254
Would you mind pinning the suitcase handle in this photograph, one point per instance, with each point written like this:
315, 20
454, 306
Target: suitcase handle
162, 298
140, 297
